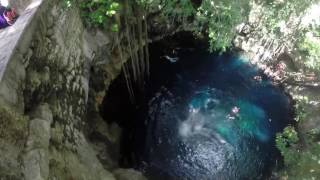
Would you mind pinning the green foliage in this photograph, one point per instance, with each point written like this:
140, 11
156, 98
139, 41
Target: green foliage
216, 19
177, 10
67, 3
278, 12
304, 163
102, 13
300, 163
221, 18
285, 141
310, 48
300, 107
99, 12
13, 127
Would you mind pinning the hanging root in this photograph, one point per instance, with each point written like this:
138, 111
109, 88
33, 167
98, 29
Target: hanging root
127, 35
146, 45
139, 56
125, 68
141, 51
136, 56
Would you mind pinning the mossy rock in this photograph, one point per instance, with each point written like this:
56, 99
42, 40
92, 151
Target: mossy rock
13, 126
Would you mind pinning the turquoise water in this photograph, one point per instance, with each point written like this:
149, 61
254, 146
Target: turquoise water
211, 120
250, 121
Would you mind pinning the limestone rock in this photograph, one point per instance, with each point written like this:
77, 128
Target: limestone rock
36, 158
82, 165
57, 74
36, 165
10, 167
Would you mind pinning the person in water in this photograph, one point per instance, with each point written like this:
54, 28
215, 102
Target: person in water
7, 16
234, 113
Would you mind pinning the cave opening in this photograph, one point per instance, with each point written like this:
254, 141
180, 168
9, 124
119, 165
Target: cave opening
200, 115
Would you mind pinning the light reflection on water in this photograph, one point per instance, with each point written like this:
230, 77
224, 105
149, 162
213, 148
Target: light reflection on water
216, 122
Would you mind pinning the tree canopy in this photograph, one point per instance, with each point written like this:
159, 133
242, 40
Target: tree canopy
216, 19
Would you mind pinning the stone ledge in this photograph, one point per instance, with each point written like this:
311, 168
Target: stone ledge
12, 37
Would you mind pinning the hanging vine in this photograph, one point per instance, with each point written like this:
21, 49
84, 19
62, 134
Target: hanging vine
125, 66
127, 35
128, 20
135, 35
146, 47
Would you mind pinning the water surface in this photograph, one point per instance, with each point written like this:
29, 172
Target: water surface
210, 117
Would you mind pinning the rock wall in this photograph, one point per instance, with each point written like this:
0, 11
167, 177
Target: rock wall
50, 92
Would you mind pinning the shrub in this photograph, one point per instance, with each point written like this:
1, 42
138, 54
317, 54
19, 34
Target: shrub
285, 142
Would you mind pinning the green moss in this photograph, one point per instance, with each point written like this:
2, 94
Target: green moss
59, 169
9, 177
13, 126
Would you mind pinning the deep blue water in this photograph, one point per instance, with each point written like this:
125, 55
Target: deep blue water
190, 129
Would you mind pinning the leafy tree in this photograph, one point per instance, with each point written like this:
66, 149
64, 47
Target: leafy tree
219, 19
309, 47
177, 9
99, 12
215, 19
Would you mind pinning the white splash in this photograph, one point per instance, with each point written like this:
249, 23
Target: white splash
193, 125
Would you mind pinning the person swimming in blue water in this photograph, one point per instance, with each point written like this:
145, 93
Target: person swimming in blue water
7, 16
234, 113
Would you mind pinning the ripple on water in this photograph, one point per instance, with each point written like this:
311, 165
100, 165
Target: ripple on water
215, 122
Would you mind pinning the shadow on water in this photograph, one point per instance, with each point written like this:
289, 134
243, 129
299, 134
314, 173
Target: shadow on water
205, 116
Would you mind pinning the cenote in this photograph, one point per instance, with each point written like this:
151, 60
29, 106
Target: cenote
205, 116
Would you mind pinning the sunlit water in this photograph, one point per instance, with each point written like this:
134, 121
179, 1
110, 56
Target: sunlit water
212, 120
